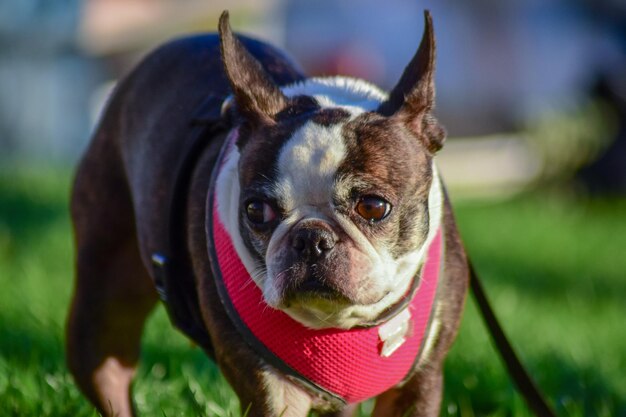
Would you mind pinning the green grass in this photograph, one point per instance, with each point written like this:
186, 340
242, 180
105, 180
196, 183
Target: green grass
555, 268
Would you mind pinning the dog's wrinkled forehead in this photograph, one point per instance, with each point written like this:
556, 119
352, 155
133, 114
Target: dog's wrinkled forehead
312, 157
305, 148
307, 165
307, 134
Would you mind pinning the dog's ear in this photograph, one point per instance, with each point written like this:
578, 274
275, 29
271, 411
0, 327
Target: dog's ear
413, 98
257, 97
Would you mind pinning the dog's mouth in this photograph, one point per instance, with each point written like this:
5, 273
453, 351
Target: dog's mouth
306, 284
318, 310
318, 305
311, 291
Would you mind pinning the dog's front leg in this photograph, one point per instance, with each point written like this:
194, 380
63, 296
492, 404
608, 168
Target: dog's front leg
284, 398
419, 396
262, 391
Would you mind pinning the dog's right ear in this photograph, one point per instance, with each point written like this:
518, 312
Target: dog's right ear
257, 97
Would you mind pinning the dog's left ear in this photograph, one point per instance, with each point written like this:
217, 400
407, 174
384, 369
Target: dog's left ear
257, 97
413, 98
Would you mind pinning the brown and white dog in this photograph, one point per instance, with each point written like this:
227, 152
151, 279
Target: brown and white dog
330, 199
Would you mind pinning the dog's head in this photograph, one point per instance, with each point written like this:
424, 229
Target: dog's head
328, 195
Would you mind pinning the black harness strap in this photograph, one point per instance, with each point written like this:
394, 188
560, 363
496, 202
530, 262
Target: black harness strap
172, 273
524, 383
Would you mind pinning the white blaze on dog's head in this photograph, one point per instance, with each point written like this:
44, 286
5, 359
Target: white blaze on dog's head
308, 155
307, 165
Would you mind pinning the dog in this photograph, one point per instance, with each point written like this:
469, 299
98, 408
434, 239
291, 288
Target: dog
324, 189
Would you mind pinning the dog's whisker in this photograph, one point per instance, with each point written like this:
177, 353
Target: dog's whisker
256, 275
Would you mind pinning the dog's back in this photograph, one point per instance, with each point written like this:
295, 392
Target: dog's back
148, 120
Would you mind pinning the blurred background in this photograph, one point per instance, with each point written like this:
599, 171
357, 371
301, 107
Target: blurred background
538, 85
533, 95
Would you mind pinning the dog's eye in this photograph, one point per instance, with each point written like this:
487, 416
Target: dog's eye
259, 212
372, 208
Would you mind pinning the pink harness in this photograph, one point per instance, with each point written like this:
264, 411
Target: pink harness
346, 364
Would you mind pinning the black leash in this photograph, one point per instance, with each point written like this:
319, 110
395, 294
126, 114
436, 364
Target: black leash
534, 399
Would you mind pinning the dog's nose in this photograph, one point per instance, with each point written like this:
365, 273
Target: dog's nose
312, 243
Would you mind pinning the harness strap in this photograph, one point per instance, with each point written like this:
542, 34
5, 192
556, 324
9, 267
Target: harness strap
172, 274
524, 383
